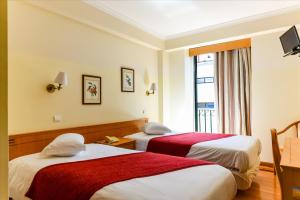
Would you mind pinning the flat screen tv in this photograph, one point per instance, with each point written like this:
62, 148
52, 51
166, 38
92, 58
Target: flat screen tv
290, 41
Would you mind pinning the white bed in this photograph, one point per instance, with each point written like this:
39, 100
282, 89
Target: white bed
240, 154
208, 182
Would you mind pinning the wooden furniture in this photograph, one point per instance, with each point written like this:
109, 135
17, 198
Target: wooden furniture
287, 166
275, 133
292, 125
28, 143
123, 143
290, 164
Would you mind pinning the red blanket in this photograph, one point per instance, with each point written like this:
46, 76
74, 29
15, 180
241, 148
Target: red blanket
180, 144
80, 180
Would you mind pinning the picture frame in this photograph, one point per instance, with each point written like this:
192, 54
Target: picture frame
91, 90
127, 79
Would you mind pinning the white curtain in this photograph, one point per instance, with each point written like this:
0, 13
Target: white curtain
233, 91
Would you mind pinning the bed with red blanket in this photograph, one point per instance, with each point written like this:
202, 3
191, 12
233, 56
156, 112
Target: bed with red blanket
105, 172
240, 154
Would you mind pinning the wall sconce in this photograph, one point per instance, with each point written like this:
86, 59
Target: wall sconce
61, 79
153, 88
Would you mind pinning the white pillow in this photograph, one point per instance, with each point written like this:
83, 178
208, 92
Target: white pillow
68, 144
154, 128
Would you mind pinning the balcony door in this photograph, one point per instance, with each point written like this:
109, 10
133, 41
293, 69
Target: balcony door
205, 113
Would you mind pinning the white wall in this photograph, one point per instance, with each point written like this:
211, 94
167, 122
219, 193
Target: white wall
275, 89
178, 75
84, 13
50, 43
42, 43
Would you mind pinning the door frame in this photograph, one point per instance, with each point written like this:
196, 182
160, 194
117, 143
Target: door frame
3, 102
195, 94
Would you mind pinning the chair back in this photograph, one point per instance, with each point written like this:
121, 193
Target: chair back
276, 156
276, 151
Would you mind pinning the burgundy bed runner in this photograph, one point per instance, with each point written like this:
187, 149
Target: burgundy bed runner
80, 180
180, 144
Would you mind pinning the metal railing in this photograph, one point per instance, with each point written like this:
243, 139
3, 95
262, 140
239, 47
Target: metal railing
206, 120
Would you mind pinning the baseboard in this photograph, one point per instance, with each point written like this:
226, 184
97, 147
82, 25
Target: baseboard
266, 166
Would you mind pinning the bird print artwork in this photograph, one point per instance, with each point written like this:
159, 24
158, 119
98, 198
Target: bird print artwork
128, 80
92, 89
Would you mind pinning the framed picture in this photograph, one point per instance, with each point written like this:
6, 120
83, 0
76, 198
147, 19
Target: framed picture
127, 79
91, 89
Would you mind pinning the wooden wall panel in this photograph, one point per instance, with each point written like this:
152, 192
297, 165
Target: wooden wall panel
28, 143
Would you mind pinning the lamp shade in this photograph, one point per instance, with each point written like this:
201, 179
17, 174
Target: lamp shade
153, 87
61, 78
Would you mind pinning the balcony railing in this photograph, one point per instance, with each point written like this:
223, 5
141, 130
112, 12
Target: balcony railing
206, 120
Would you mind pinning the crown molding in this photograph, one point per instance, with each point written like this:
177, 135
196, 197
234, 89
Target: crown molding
103, 7
93, 17
235, 22
106, 20
240, 30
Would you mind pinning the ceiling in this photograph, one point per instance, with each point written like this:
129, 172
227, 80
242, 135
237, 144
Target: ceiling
168, 19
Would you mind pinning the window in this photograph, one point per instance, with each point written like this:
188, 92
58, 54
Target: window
205, 117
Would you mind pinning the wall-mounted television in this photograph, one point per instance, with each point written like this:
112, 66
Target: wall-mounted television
290, 42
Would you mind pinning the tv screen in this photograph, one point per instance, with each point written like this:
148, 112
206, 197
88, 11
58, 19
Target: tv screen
290, 40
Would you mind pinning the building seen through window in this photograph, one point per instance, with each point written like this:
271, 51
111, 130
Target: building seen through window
205, 113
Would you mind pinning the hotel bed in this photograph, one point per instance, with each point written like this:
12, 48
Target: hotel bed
194, 183
240, 154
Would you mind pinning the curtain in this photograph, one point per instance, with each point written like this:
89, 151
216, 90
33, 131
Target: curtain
233, 91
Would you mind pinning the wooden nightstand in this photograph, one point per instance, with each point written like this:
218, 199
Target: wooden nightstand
123, 143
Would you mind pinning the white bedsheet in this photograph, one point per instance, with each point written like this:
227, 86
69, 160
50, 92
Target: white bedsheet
238, 153
210, 182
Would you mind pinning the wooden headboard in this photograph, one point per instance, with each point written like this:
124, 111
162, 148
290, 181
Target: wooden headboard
28, 143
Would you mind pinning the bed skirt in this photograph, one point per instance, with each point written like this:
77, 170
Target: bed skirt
244, 180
